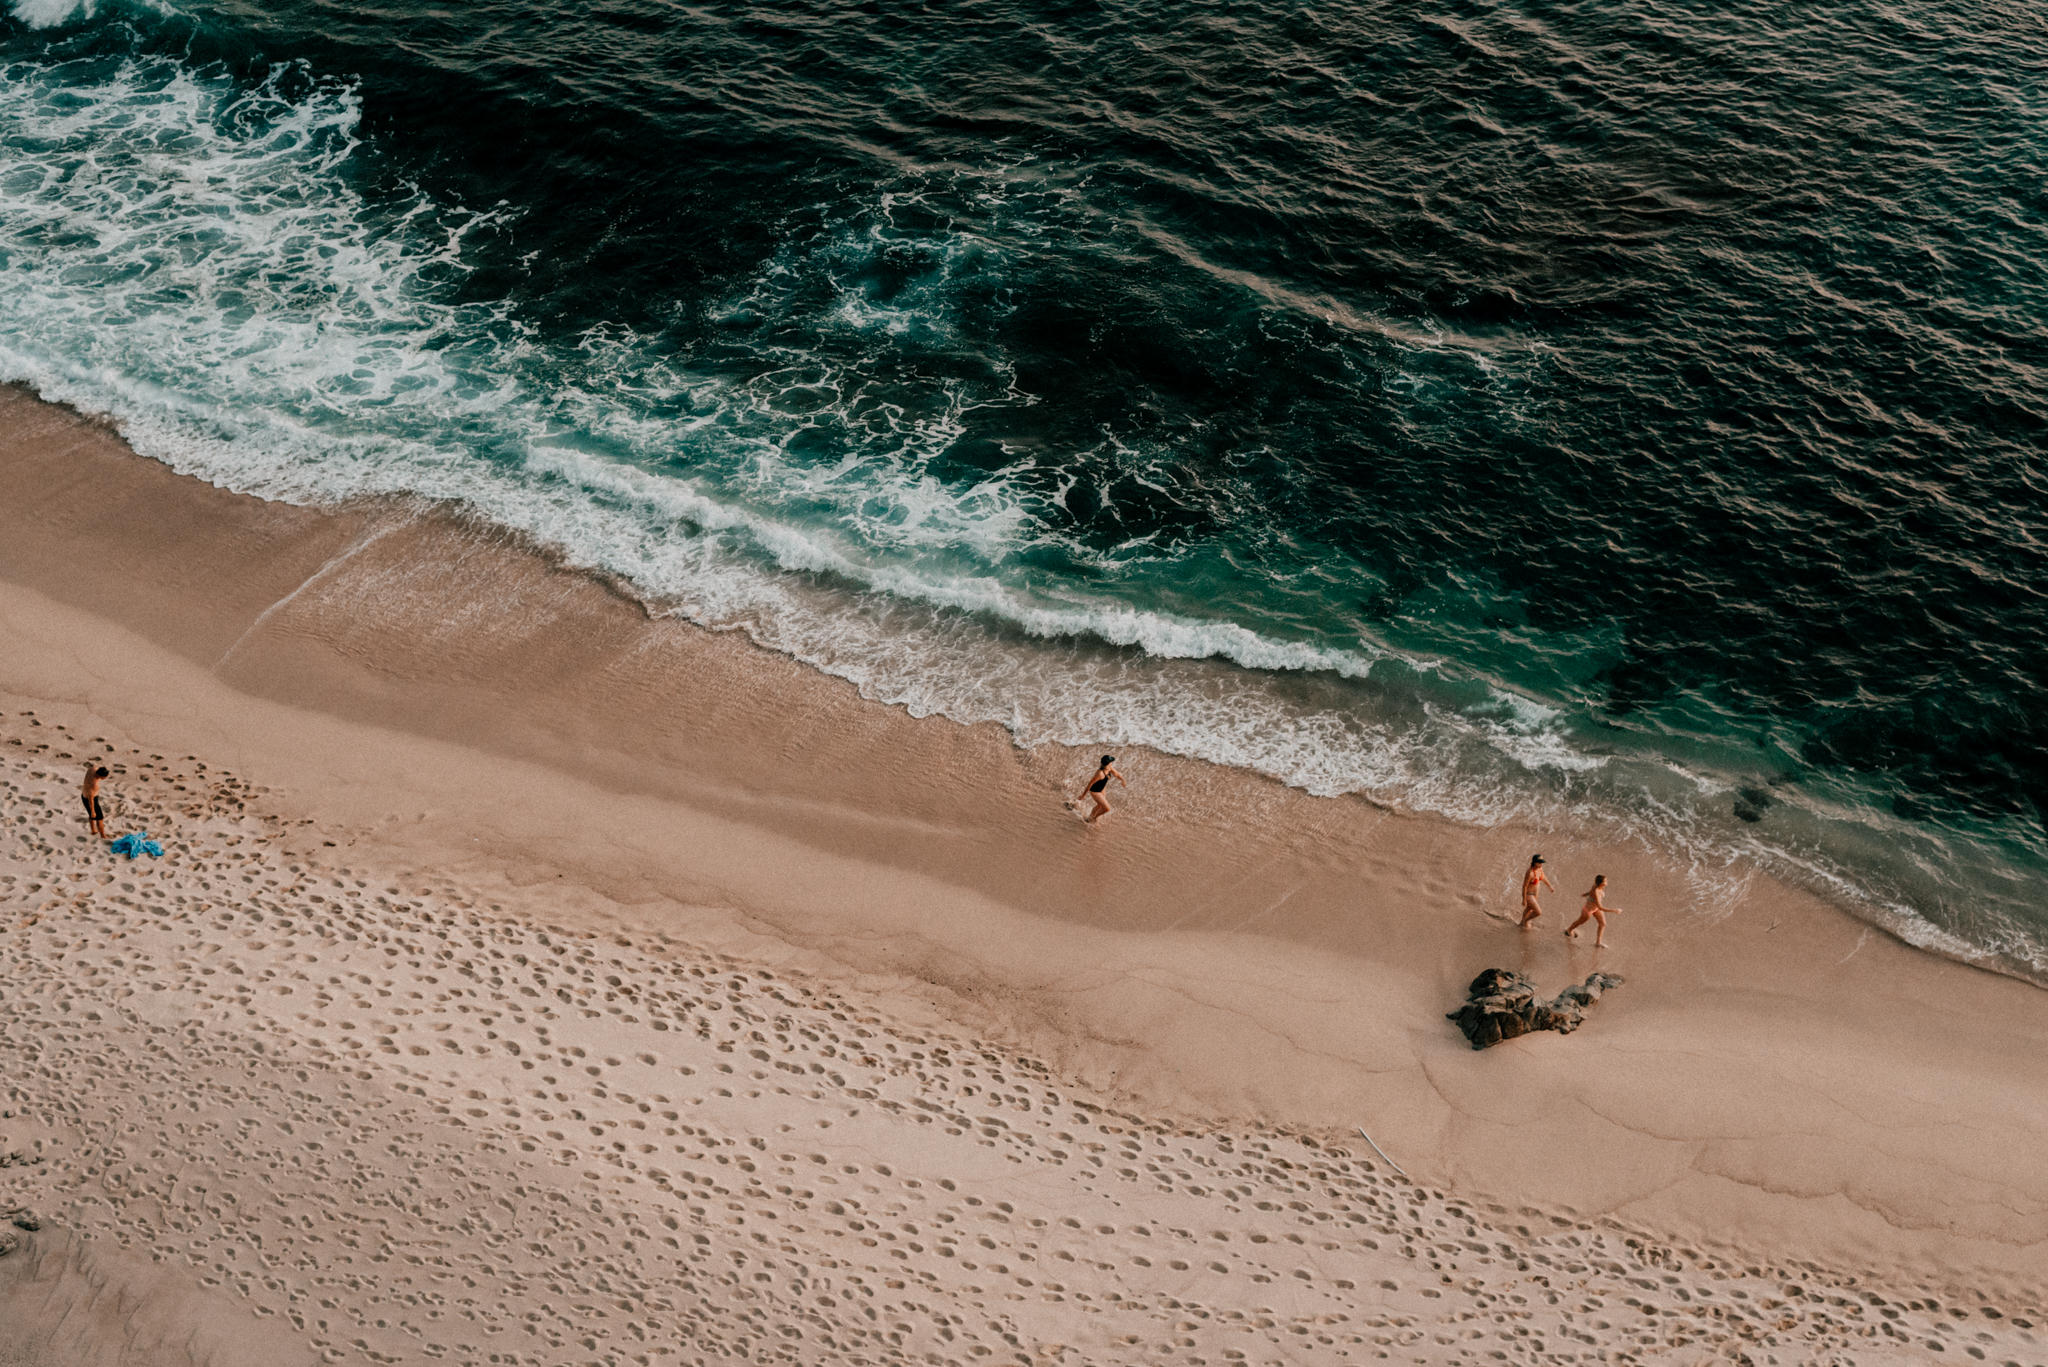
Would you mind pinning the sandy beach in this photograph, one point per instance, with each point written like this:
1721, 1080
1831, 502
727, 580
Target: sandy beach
529, 978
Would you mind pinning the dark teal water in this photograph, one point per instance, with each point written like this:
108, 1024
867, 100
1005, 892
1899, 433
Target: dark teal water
1618, 413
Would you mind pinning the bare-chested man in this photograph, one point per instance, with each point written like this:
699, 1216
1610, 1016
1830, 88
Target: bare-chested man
1532, 880
89, 793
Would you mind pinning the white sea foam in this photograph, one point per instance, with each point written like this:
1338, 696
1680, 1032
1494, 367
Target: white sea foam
54, 14
51, 13
309, 356
197, 261
251, 319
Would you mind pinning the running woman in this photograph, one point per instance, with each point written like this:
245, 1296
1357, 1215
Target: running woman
1103, 774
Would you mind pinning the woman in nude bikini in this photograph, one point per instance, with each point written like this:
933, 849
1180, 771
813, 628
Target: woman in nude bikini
89, 794
1103, 774
1595, 910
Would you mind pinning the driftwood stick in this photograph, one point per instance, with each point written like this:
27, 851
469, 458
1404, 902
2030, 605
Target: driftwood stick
1380, 1151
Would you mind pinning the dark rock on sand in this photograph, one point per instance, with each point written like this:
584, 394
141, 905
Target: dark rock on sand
14, 1220
1501, 1004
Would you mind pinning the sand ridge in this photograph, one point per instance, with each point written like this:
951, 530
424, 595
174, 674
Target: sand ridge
399, 1122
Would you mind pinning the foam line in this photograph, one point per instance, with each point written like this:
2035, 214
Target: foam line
198, 260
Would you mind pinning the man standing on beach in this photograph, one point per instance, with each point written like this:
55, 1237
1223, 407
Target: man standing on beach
1532, 880
89, 793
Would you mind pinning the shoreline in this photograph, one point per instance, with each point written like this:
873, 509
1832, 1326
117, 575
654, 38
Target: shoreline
1224, 951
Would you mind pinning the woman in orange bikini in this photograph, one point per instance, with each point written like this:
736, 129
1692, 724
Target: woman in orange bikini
1596, 911
1534, 879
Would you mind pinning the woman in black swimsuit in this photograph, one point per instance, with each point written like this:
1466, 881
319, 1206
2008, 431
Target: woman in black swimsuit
89, 793
1103, 775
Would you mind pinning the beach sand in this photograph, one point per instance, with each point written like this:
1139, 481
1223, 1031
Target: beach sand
531, 979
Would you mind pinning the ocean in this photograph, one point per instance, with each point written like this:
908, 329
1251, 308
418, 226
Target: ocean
1623, 416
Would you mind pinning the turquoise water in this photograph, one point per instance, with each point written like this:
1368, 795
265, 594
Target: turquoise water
1619, 416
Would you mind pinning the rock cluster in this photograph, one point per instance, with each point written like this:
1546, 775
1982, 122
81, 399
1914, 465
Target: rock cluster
1501, 1004
14, 1219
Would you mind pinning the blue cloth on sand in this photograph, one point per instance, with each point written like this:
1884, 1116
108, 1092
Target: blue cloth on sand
134, 843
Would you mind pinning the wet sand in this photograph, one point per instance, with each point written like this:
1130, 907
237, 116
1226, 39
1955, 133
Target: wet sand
568, 842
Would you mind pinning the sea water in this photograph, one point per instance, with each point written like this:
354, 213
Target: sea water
1617, 414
